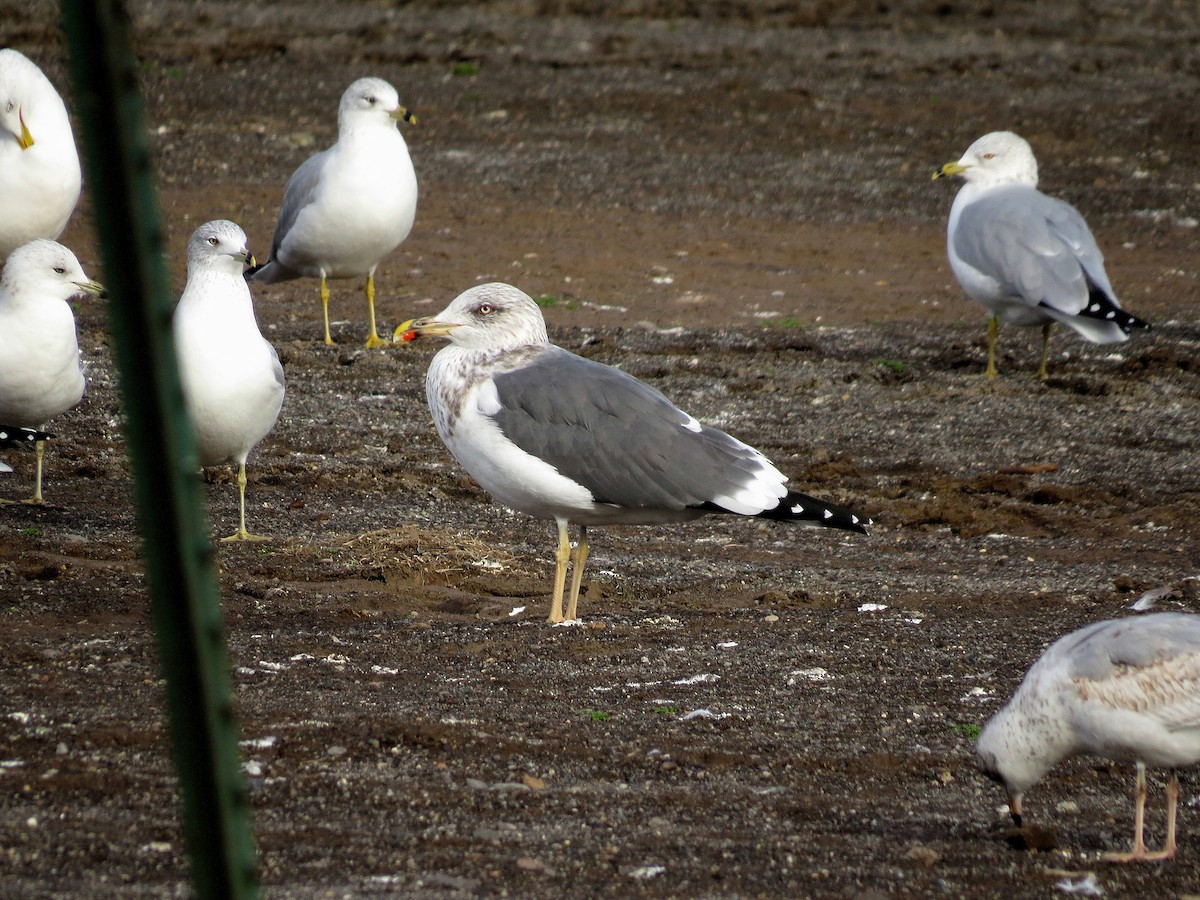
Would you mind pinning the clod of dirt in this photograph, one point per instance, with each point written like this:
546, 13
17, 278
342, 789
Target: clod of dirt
1037, 838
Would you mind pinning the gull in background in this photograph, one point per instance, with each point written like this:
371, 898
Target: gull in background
39, 165
1025, 257
349, 206
232, 378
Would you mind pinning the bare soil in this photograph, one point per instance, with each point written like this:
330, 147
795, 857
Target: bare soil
732, 201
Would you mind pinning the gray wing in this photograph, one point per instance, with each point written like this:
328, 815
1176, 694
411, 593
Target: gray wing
300, 192
1147, 666
1037, 247
276, 365
1100, 650
618, 437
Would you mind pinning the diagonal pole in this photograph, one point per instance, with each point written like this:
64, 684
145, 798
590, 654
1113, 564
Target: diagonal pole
176, 546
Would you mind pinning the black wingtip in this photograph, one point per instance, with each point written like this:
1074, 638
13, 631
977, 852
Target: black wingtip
16, 436
806, 510
1102, 308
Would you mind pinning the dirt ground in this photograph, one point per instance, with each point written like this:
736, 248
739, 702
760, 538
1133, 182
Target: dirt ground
731, 200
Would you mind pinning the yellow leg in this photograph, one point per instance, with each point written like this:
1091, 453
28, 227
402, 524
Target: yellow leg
578, 559
242, 534
560, 573
993, 330
325, 305
1042, 373
373, 338
39, 452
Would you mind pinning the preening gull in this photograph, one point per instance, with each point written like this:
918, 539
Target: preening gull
561, 437
1126, 689
40, 372
232, 379
349, 206
1025, 257
39, 166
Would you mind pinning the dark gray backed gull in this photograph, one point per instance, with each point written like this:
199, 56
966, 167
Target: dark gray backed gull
561, 437
1025, 257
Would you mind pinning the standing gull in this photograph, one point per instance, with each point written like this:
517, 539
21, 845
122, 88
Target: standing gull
40, 372
39, 166
232, 379
1025, 257
349, 206
1127, 690
561, 437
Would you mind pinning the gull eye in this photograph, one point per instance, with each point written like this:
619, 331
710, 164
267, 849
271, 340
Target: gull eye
11, 106
59, 270
989, 156
214, 241
371, 100
485, 309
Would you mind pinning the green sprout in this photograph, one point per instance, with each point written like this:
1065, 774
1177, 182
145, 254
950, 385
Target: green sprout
465, 68
786, 322
969, 730
597, 715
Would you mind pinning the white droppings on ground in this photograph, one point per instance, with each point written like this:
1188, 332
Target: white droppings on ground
698, 679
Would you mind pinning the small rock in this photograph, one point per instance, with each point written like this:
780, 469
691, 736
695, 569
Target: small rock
926, 856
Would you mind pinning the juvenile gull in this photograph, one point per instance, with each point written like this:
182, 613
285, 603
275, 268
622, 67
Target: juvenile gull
561, 437
39, 166
40, 372
349, 206
232, 379
1025, 257
1127, 690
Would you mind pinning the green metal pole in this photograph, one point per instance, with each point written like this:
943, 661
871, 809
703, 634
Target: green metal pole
177, 550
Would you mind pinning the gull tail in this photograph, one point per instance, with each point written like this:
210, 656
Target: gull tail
15, 436
1103, 309
805, 510
1101, 321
